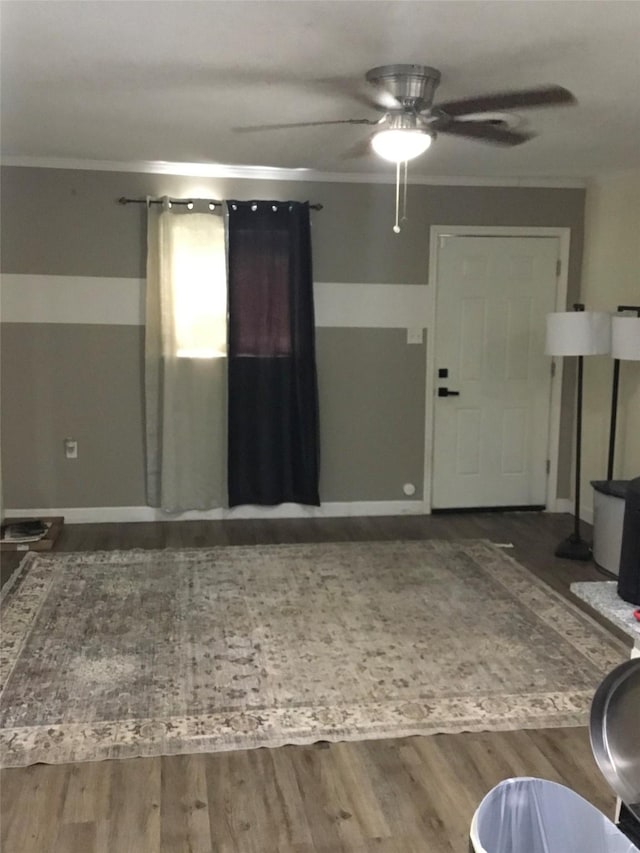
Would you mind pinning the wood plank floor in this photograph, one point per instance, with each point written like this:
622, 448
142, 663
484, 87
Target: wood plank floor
403, 795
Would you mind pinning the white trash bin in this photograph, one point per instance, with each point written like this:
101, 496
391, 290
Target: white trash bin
528, 815
608, 521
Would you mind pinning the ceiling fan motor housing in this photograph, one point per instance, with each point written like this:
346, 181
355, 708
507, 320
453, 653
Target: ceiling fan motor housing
402, 120
413, 86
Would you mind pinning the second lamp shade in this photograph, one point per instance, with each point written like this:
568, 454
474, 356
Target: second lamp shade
625, 338
578, 333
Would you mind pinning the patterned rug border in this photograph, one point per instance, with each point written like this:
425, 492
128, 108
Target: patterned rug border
32, 581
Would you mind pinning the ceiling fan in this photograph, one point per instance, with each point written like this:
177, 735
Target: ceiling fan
410, 120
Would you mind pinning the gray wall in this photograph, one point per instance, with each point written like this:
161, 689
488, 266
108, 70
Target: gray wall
86, 380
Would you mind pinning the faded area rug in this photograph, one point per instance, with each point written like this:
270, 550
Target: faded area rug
129, 653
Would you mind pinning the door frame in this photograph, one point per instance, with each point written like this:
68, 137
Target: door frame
563, 236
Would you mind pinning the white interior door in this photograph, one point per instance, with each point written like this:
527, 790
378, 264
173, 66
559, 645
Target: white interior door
490, 441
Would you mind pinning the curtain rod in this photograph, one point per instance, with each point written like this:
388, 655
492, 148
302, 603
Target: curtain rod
187, 201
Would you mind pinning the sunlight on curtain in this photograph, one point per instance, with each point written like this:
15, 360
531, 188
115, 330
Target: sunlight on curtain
185, 360
197, 289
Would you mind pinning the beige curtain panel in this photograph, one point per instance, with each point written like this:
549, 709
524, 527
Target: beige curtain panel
185, 359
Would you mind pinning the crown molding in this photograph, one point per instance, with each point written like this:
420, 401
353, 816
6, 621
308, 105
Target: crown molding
269, 173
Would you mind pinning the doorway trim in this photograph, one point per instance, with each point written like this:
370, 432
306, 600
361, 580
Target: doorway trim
563, 236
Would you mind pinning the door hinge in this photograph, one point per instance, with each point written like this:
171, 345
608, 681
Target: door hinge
548, 466
558, 267
553, 369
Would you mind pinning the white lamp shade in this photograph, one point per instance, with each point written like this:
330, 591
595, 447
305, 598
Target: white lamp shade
625, 338
578, 333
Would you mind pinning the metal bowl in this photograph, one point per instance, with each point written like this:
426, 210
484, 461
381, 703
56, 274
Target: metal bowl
614, 728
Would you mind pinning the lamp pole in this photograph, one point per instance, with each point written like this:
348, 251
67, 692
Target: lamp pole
576, 522
577, 333
574, 547
614, 399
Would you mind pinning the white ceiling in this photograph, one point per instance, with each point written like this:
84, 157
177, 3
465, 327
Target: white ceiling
168, 81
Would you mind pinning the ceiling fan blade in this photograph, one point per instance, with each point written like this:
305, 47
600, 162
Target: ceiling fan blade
358, 92
381, 104
485, 131
381, 99
255, 127
548, 96
361, 149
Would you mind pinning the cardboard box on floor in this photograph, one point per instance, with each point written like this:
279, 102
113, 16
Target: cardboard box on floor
55, 523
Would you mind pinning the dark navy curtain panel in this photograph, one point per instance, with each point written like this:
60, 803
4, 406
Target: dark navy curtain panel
273, 445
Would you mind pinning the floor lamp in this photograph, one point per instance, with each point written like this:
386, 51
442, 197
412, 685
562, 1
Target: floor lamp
625, 346
577, 333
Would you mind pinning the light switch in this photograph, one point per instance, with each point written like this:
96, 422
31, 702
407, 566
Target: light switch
71, 448
414, 335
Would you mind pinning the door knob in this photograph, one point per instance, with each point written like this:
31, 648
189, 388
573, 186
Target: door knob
444, 392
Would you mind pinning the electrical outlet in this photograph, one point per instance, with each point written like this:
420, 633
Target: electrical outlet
70, 448
414, 335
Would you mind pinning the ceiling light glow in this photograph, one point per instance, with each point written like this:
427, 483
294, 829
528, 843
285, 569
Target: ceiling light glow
400, 145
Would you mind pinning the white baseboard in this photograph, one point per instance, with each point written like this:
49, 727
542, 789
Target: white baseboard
331, 509
120, 514
566, 505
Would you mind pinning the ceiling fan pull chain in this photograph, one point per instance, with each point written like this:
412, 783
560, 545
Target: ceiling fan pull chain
396, 227
404, 197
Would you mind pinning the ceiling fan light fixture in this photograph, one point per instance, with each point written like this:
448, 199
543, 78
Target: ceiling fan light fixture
399, 145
